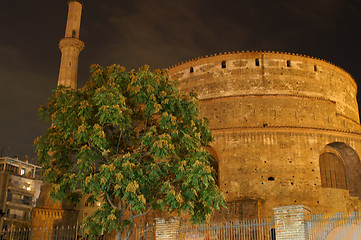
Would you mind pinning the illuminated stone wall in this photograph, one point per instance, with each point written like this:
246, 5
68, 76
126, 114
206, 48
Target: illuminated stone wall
272, 115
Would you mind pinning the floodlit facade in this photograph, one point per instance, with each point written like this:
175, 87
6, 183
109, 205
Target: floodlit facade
286, 130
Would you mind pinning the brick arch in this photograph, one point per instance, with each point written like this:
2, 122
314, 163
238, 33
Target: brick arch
352, 164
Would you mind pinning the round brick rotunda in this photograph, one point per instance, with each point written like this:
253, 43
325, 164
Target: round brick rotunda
286, 130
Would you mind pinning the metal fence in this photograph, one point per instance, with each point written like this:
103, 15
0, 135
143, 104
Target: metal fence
232, 230
71, 233
345, 226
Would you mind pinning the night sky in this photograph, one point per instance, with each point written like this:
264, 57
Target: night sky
159, 33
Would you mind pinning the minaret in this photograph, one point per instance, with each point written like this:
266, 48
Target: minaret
70, 47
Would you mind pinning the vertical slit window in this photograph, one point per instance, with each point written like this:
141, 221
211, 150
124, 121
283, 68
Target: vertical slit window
288, 63
223, 64
315, 68
257, 62
191, 70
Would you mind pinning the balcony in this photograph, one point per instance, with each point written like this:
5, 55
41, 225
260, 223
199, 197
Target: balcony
17, 217
21, 204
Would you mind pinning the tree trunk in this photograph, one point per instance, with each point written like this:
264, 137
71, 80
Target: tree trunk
117, 235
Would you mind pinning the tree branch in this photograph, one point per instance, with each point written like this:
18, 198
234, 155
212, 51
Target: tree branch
108, 198
130, 230
120, 207
120, 136
138, 215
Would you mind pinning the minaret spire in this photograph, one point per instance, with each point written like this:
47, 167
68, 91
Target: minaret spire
70, 47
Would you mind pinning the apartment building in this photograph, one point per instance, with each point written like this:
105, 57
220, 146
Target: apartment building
19, 190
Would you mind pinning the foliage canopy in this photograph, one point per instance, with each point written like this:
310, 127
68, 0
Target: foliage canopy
132, 141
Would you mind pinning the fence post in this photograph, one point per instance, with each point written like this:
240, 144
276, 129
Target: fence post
290, 222
167, 229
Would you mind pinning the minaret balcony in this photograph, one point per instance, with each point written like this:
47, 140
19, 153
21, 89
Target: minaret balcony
71, 42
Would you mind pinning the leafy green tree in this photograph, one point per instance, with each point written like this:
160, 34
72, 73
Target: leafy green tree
132, 141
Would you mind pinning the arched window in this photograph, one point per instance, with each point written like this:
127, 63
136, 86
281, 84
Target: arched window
332, 171
257, 62
191, 70
288, 63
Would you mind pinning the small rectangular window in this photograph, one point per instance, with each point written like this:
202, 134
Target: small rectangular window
288, 63
257, 62
223, 64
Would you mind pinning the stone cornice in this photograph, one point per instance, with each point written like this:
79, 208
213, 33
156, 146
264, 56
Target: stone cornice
285, 129
268, 95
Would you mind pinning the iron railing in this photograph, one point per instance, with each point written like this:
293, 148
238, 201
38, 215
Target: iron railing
345, 226
71, 233
232, 230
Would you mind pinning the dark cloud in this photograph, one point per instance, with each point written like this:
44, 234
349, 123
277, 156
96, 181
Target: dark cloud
159, 33
163, 32
21, 94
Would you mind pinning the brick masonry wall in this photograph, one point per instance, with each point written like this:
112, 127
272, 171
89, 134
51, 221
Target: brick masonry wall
167, 229
290, 222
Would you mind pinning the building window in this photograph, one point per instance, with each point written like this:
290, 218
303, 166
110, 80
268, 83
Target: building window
332, 169
26, 215
288, 63
73, 34
9, 197
257, 62
191, 70
315, 68
7, 212
22, 171
223, 64
27, 200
